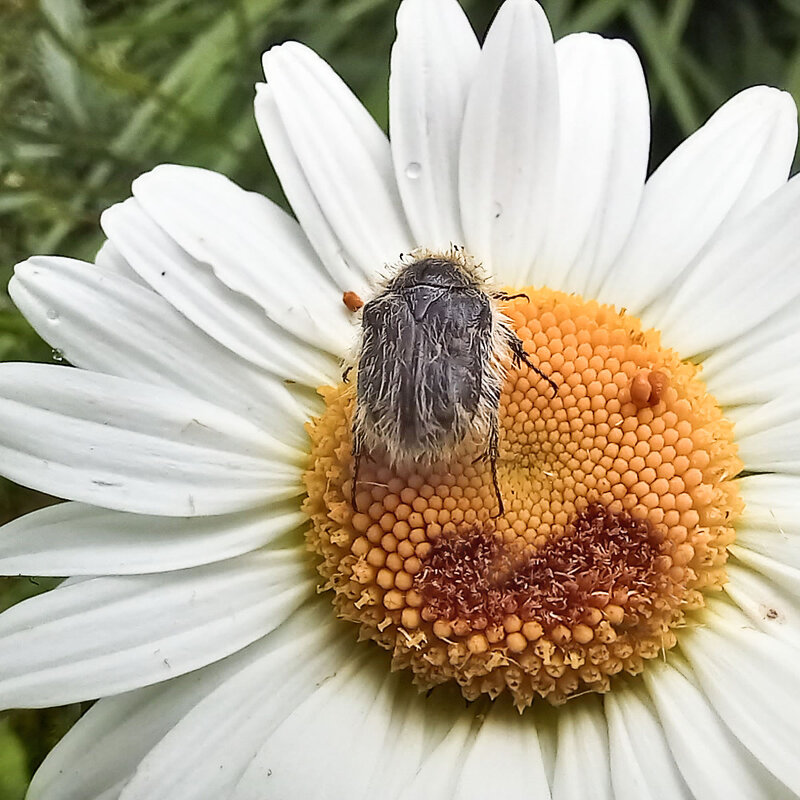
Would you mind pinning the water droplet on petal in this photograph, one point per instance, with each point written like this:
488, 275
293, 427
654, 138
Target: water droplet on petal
497, 210
57, 355
413, 170
52, 314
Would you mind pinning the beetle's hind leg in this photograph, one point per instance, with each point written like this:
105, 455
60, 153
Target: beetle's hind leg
358, 452
492, 452
519, 355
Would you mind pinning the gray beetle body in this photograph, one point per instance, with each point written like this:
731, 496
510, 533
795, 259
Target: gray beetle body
431, 363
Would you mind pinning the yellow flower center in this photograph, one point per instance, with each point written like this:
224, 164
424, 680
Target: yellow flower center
619, 507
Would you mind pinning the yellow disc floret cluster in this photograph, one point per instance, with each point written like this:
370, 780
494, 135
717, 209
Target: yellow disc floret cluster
619, 507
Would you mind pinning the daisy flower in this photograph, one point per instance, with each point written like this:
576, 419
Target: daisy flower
258, 623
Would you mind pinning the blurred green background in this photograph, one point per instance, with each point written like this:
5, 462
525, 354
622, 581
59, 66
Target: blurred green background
93, 92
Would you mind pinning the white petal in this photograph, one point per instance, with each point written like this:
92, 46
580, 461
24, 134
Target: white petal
102, 749
758, 366
509, 146
234, 320
111, 261
779, 549
582, 758
509, 743
713, 762
771, 501
642, 766
784, 575
439, 773
770, 523
427, 95
76, 539
769, 436
547, 728
602, 160
768, 606
344, 156
738, 158
254, 248
109, 635
751, 679
410, 734
130, 446
102, 322
206, 752
748, 274
329, 746
345, 272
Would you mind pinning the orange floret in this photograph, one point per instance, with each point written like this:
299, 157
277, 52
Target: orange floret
619, 507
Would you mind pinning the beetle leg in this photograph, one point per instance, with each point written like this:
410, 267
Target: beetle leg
505, 296
358, 451
493, 453
519, 355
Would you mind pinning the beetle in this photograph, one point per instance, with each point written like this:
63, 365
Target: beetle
431, 362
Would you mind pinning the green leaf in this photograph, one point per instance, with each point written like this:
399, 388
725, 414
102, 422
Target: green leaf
14, 775
597, 15
61, 74
660, 40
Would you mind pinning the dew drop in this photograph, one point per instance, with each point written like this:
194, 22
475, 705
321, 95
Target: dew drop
57, 355
497, 210
413, 170
52, 314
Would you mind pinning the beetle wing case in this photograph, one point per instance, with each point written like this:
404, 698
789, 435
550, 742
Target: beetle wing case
430, 362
